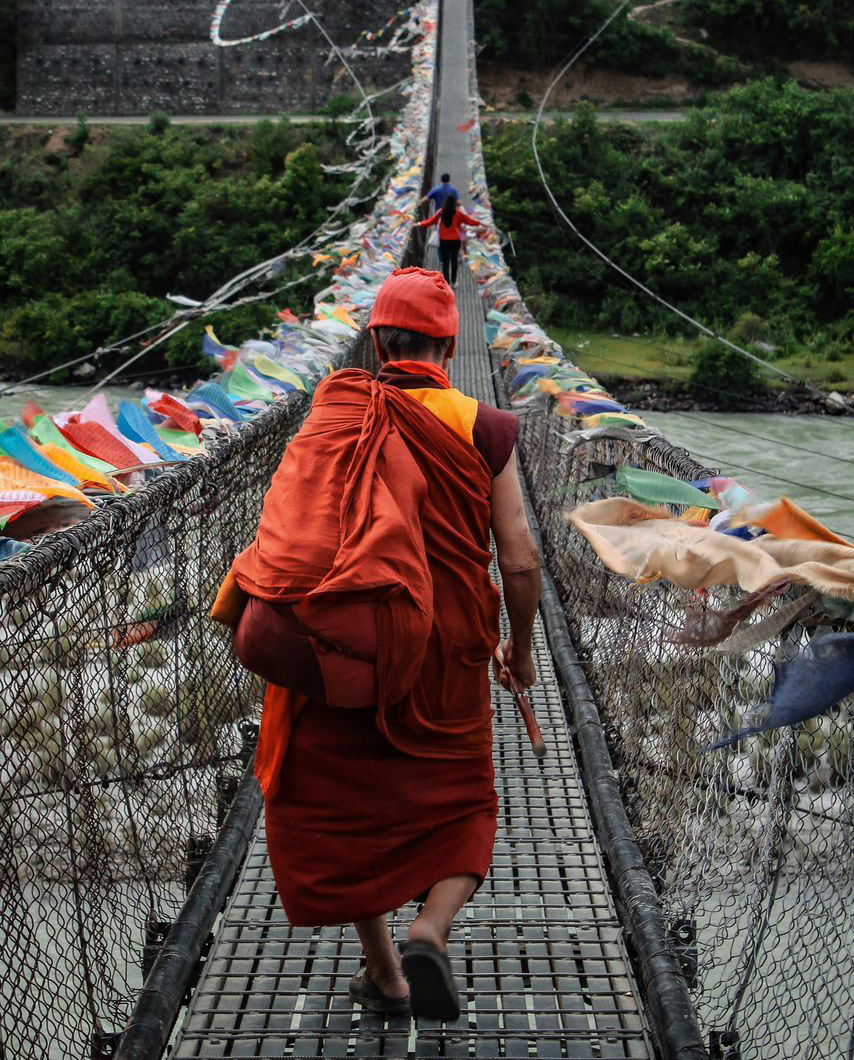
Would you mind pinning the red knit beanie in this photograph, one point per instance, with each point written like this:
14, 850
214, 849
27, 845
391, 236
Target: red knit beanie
417, 300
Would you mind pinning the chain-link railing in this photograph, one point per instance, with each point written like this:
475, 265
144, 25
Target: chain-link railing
751, 848
126, 725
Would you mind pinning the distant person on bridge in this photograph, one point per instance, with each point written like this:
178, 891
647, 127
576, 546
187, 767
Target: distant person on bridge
436, 196
366, 601
450, 220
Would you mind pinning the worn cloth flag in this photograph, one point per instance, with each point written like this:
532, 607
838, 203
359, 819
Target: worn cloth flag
807, 686
646, 543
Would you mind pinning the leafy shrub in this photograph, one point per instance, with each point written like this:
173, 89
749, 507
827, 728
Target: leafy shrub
822, 29
833, 268
338, 106
740, 212
137, 215
269, 145
749, 328
731, 376
158, 122
80, 135
55, 328
546, 31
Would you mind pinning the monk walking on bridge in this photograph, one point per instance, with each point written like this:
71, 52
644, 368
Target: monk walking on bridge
366, 601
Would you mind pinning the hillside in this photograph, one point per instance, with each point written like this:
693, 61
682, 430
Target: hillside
669, 51
98, 223
740, 215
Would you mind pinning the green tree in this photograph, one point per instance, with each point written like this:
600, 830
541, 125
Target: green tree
832, 269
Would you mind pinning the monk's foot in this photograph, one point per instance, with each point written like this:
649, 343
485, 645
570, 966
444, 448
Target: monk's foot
425, 929
392, 982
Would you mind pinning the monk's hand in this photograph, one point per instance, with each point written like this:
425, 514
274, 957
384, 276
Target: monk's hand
515, 661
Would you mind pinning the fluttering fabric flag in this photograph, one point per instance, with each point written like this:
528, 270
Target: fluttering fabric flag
97, 441
223, 355
809, 685
98, 411
269, 369
211, 395
750, 635
10, 510
138, 427
46, 432
785, 519
19, 484
528, 373
85, 476
241, 385
704, 626
184, 441
15, 443
175, 410
645, 543
652, 487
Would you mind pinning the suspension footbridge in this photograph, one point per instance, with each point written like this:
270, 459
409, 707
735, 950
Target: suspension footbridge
644, 900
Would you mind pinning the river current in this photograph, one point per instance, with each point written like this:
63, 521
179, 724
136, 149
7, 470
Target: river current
808, 458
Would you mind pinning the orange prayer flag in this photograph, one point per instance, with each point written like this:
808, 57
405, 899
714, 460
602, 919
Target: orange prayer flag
788, 520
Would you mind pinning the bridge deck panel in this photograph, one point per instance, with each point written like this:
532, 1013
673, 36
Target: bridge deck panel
539, 953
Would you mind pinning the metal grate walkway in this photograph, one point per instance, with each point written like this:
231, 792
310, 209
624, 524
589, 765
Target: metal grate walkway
538, 954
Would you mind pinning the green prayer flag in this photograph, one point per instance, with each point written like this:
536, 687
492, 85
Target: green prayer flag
651, 487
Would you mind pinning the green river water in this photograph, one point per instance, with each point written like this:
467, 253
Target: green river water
809, 458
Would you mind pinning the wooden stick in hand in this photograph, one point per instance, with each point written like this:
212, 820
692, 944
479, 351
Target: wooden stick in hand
523, 703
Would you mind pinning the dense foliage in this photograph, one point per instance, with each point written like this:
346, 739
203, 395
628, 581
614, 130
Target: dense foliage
746, 207
792, 29
95, 231
543, 32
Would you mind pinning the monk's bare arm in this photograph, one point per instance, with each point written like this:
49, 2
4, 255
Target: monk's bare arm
519, 563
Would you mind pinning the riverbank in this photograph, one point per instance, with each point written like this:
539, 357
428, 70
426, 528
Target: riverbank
644, 373
642, 395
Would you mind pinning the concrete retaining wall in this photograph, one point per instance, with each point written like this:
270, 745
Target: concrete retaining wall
134, 56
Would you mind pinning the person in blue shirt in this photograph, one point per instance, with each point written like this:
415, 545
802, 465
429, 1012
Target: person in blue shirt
438, 194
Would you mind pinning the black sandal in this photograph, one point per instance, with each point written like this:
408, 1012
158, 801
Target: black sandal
365, 992
433, 990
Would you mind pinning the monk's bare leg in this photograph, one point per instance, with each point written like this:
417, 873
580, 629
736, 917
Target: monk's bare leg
447, 897
382, 959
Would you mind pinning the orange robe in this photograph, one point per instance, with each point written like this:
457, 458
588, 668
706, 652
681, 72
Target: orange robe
366, 809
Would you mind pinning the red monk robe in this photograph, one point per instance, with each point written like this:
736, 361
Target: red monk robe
369, 808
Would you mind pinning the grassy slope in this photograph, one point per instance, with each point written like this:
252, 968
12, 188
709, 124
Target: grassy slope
609, 356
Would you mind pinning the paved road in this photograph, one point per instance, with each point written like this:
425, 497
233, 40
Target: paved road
177, 119
304, 119
602, 115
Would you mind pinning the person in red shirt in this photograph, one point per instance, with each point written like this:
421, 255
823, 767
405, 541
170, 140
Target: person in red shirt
450, 220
